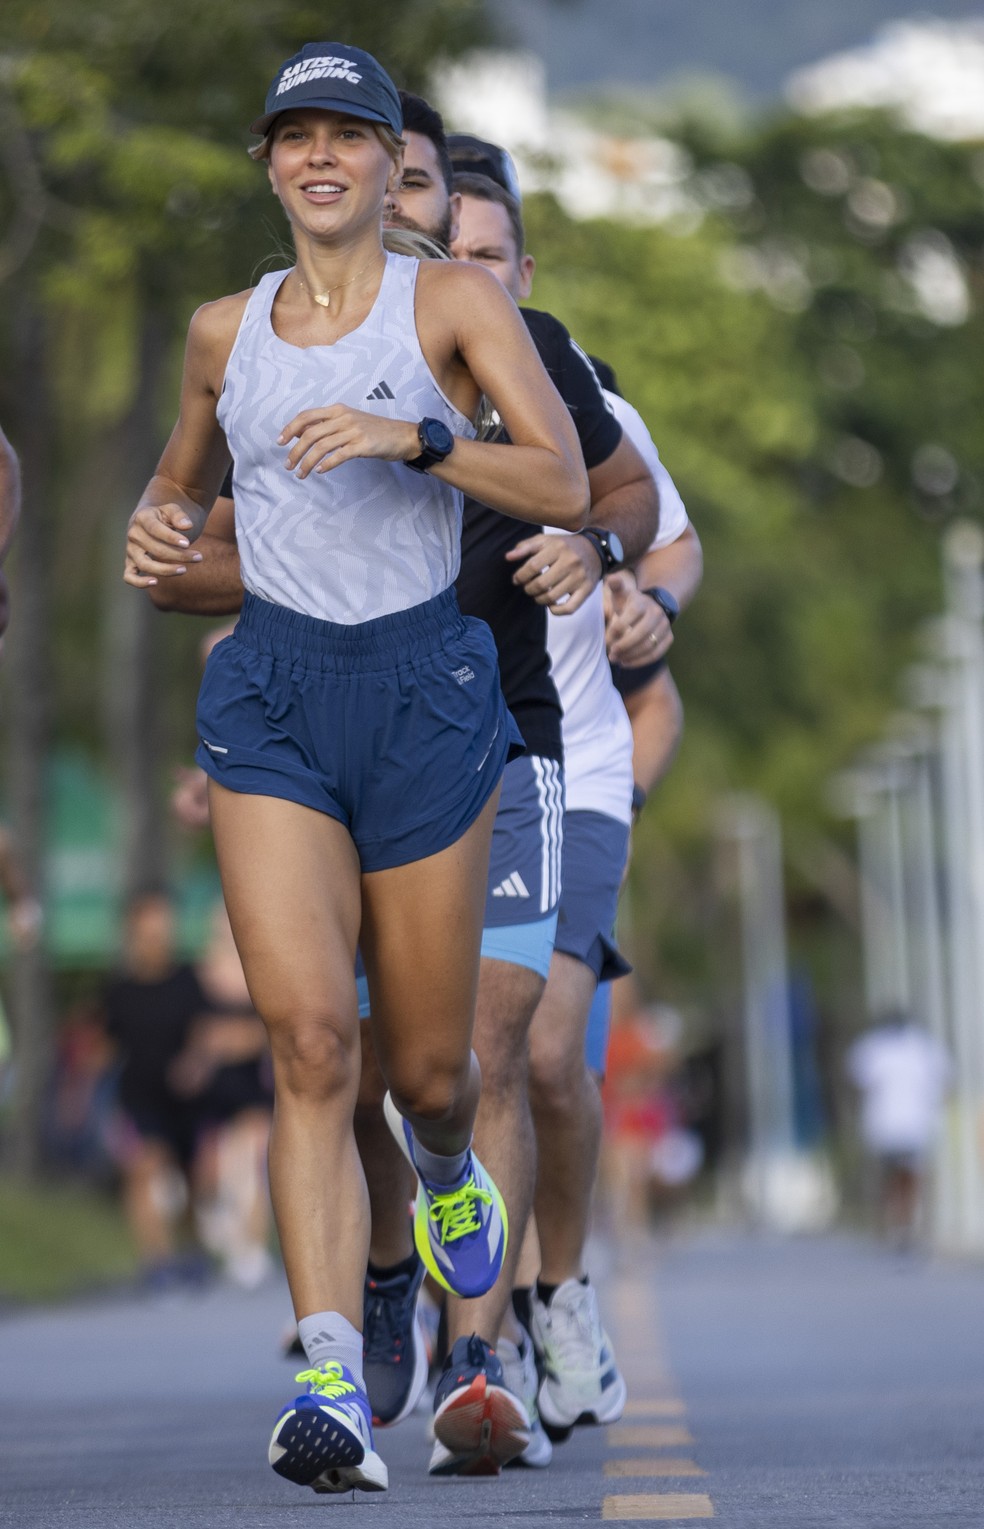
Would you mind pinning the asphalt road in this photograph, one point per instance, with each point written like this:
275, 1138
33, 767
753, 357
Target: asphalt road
787, 1384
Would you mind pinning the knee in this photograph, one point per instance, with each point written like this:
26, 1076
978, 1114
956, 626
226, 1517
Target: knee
315, 1056
557, 1071
432, 1089
504, 1064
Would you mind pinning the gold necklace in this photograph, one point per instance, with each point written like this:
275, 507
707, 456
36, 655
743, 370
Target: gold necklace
323, 299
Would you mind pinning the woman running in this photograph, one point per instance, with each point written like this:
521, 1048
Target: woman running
352, 726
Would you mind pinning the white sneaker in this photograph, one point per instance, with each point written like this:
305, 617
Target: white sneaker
581, 1383
519, 1373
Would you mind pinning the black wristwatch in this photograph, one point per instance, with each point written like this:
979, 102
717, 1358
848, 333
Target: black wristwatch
668, 604
436, 443
608, 546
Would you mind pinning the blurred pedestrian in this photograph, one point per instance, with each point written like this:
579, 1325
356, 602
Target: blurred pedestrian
24, 919
224, 1071
902, 1074
148, 1009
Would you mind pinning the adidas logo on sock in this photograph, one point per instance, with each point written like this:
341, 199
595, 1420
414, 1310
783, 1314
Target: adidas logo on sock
382, 391
513, 886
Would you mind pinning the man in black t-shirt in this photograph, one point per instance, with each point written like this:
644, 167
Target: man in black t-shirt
149, 1007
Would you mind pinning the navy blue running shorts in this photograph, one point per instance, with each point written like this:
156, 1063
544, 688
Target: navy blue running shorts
595, 847
395, 727
524, 870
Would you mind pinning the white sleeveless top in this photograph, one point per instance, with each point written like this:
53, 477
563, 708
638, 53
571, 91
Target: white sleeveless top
369, 537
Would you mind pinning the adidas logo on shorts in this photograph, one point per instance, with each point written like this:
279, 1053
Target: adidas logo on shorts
513, 886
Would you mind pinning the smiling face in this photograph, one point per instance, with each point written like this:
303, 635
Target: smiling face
421, 199
330, 171
485, 237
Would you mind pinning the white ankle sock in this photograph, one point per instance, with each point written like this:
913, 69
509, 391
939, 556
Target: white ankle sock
436, 1168
328, 1338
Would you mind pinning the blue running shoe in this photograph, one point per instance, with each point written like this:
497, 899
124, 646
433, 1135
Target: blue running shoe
395, 1348
479, 1425
323, 1439
460, 1230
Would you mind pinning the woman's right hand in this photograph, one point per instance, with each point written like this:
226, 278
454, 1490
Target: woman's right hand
157, 544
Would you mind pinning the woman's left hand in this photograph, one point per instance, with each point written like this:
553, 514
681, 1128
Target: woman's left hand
324, 438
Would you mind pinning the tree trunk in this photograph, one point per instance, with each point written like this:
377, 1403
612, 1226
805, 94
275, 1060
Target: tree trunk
28, 729
132, 690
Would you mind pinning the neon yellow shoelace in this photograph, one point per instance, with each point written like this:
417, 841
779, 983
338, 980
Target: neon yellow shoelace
455, 1211
326, 1381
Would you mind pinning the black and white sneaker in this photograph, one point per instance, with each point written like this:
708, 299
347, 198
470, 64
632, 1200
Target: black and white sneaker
581, 1381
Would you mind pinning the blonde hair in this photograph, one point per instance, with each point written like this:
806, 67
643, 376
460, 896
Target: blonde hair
410, 241
391, 142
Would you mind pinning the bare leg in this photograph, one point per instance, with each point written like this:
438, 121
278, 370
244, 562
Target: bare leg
504, 1139
291, 881
567, 1114
421, 940
144, 1200
389, 1177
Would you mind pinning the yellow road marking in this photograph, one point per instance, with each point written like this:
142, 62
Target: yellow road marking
667, 1407
648, 1435
662, 1505
659, 1465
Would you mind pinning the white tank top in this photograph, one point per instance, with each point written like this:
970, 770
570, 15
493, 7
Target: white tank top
370, 537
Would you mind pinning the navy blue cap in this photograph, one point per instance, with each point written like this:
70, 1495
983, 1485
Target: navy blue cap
476, 156
334, 77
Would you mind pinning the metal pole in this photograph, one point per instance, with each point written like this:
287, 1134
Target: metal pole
754, 826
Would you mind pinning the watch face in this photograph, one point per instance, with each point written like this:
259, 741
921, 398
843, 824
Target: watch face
436, 436
615, 547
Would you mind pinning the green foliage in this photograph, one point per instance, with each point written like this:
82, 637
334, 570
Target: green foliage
60, 1241
808, 363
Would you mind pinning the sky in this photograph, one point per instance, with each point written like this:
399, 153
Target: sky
645, 42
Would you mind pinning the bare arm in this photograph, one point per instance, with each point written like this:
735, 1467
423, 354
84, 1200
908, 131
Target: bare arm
656, 714
211, 585
190, 472
561, 571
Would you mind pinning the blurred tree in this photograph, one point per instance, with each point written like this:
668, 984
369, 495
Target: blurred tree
804, 345
126, 199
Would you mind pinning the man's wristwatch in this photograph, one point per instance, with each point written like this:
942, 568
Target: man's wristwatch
608, 546
668, 604
436, 443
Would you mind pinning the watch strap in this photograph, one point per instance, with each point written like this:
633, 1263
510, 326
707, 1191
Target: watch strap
666, 602
601, 547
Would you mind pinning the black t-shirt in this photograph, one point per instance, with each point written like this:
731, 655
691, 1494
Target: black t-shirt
149, 1021
485, 587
